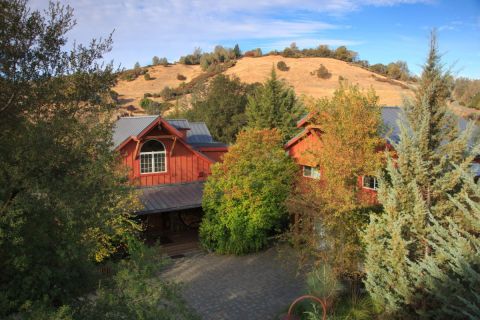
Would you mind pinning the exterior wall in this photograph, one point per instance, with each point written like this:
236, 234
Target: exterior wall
182, 166
302, 154
301, 151
366, 195
214, 154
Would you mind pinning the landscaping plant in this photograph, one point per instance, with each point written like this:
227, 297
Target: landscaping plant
244, 198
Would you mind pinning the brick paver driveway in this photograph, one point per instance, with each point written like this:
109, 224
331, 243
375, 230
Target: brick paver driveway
256, 286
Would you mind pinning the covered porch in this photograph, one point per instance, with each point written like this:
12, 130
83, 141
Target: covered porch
171, 216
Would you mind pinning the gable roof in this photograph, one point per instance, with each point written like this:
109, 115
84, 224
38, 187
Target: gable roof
198, 134
390, 117
126, 127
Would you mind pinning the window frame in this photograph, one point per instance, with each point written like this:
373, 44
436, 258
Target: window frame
375, 183
153, 153
314, 172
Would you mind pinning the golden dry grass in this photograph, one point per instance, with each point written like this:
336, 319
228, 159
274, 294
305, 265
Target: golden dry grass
299, 76
131, 92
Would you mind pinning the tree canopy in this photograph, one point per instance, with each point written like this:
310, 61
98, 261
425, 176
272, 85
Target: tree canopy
63, 203
221, 105
274, 105
244, 198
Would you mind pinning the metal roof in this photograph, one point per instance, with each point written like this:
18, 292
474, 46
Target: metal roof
171, 197
197, 134
391, 116
179, 123
130, 126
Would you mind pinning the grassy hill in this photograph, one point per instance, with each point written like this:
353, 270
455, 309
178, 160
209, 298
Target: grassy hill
250, 70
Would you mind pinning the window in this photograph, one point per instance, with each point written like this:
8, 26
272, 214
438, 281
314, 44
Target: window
153, 157
311, 172
370, 182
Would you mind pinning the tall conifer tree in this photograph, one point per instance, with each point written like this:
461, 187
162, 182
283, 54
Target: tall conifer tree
274, 105
416, 189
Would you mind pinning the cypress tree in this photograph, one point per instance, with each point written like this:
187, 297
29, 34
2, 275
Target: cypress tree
416, 187
451, 273
273, 105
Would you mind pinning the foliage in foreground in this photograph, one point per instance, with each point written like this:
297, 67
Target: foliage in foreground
63, 203
244, 198
135, 291
330, 212
342, 301
424, 248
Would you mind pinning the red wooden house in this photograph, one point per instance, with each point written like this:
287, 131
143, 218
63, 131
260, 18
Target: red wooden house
300, 149
168, 160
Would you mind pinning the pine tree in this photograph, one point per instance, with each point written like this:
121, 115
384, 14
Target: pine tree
237, 52
415, 186
274, 105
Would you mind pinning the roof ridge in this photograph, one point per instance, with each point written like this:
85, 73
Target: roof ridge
136, 117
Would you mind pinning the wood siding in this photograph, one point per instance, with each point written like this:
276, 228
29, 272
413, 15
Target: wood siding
303, 151
183, 165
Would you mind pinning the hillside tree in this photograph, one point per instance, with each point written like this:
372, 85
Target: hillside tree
221, 105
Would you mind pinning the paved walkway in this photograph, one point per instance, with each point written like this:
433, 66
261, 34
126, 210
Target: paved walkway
257, 286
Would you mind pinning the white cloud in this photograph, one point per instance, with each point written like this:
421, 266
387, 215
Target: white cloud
173, 27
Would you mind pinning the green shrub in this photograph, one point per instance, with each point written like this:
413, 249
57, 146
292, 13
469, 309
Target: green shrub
147, 95
159, 61
322, 72
282, 66
244, 198
167, 93
147, 76
154, 107
181, 77
135, 291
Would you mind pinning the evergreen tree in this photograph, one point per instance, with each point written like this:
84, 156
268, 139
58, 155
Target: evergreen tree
273, 105
417, 185
451, 273
237, 52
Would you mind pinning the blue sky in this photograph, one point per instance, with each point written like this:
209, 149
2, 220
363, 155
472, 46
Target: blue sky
379, 30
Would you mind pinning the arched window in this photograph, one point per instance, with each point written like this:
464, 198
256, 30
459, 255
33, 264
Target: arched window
153, 157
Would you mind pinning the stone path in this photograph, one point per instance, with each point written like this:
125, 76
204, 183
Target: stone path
257, 286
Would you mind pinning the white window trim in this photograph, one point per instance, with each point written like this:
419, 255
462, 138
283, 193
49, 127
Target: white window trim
164, 152
312, 169
368, 188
